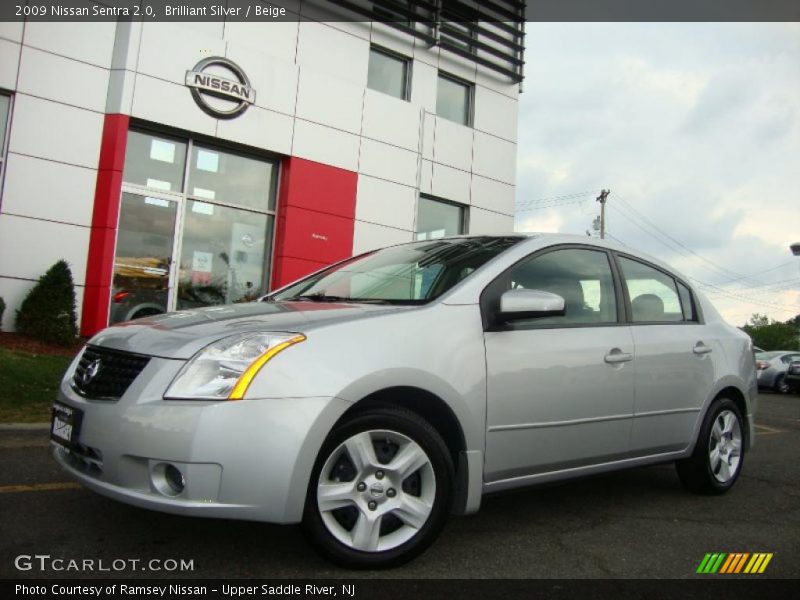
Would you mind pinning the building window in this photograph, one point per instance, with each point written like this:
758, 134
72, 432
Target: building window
195, 226
454, 99
388, 73
5, 109
437, 218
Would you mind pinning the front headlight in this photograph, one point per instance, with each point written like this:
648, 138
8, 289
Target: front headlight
224, 369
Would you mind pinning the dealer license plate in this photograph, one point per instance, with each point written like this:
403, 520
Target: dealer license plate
66, 425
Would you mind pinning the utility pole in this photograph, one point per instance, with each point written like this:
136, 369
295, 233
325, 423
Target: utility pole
602, 200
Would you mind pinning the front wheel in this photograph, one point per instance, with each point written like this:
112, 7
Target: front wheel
380, 491
718, 456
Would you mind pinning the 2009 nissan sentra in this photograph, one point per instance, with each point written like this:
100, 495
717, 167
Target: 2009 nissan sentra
373, 398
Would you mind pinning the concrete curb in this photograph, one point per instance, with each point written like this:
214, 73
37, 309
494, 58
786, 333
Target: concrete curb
24, 426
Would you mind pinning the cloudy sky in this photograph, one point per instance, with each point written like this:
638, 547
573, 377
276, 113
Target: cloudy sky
694, 127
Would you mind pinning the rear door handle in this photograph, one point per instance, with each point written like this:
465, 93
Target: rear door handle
700, 348
616, 356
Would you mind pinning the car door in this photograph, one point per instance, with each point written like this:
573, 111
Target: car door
674, 357
559, 389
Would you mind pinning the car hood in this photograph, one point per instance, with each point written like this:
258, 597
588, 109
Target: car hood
182, 334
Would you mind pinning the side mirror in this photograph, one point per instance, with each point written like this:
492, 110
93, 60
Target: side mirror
529, 304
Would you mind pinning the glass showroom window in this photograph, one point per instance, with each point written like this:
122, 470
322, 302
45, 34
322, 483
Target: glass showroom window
436, 219
388, 73
195, 226
454, 100
5, 109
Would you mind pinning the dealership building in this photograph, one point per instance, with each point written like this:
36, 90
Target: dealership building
176, 165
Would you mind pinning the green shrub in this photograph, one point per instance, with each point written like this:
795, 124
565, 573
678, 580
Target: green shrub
2, 310
48, 311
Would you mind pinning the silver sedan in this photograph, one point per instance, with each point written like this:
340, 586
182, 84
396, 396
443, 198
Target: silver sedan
375, 397
771, 368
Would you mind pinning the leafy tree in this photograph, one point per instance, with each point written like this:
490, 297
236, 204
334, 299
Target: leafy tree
48, 311
770, 334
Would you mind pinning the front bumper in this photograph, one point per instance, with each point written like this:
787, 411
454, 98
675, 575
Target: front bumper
247, 459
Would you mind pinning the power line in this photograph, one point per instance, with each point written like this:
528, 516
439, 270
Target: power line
724, 271
713, 288
553, 205
554, 198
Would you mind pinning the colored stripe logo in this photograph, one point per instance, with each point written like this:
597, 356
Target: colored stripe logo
734, 562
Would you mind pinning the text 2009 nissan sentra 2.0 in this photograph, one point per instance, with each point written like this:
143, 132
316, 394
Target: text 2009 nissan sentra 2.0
371, 399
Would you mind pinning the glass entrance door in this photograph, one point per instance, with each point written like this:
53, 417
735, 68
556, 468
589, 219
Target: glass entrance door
195, 226
143, 261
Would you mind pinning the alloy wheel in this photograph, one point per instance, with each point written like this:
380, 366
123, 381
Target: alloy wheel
725, 446
376, 490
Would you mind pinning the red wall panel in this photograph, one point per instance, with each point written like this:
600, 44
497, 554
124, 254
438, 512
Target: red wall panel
100, 262
316, 216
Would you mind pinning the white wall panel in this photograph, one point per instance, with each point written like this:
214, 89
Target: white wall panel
492, 195
424, 79
55, 131
50, 76
278, 39
484, 221
274, 81
495, 113
328, 100
325, 145
495, 158
168, 50
391, 120
86, 41
452, 144
329, 50
368, 236
9, 64
450, 184
11, 31
260, 128
49, 190
385, 203
27, 249
388, 162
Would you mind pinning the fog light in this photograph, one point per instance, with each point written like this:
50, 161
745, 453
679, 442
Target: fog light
167, 479
174, 479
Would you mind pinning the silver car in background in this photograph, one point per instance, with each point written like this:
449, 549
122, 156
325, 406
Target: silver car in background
375, 397
771, 368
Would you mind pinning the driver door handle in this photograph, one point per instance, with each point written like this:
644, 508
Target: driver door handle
616, 356
700, 348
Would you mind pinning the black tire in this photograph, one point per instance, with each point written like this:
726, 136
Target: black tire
780, 386
697, 472
403, 423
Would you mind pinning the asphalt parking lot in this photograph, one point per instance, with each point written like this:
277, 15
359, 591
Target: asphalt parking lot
634, 524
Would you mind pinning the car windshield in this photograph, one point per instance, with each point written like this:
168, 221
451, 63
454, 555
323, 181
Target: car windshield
767, 355
413, 273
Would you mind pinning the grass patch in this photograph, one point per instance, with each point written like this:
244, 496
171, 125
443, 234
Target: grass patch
28, 385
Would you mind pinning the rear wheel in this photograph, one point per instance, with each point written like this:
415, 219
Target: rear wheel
780, 385
380, 491
718, 456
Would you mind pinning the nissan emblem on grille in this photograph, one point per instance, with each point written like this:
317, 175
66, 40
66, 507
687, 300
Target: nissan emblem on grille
91, 372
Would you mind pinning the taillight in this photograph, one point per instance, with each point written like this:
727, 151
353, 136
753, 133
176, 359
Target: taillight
761, 365
119, 297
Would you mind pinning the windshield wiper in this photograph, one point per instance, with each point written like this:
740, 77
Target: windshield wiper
318, 297
323, 297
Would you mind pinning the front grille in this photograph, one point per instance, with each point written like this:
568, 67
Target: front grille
104, 374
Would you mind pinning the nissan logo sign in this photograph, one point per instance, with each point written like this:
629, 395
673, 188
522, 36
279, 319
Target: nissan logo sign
220, 96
